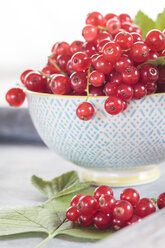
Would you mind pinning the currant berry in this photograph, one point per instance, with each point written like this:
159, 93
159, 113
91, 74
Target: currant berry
110, 89
113, 25
75, 200
15, 97
96, 78
102, 191
62, 61
113, 105
148, 73
127, 27
139, 52
103, 35
23, 75
87, 205
76, 46
155, 40
161, 201
101, 45
125, 92
151, 88
95, 19
106, 203
130, 195
115, 77
80, 61
109, 16
130, 75
86, 220
72, 214
93, 59
69, 68
60, 85
135, 218
124, 39
35, 82
96, 91
118, 224
111, 51
49, 70
125, 18
123, 62
89, 32
85, 111
125, 105
153, 55
53, 60
61, 48
102, 65
139, 91
123, 210
78, 81
137, 29
145, 207
102, 220
136, 37
89, 48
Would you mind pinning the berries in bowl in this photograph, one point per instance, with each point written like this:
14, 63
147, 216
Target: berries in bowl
101, 103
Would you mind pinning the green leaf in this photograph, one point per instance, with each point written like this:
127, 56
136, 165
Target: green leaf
160, 21
145, 23
56, 185
47, 218
156, 62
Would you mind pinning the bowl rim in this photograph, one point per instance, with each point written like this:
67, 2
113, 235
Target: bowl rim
76, 97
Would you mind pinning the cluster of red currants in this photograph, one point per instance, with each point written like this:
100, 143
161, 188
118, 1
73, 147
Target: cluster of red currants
107, 63
104, 211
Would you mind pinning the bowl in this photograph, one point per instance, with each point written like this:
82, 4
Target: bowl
118, 150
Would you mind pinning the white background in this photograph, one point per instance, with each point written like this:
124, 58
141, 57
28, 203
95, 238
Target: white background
28, 29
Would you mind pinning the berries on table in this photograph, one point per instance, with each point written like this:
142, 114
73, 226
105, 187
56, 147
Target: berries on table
72, 214
87, 205
15, 97
106, 203
102, 191
130, 195
123, 210
145, 207
102, 220
155, 40
161, 201
85, 111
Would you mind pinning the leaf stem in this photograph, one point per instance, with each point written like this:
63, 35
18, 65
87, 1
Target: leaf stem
102, 28
45, 75
56, 66
87, 89
45, 241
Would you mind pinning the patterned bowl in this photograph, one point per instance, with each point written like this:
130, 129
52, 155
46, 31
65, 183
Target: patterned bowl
117, 150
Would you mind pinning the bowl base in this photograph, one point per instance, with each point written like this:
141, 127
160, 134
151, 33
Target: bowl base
126, 177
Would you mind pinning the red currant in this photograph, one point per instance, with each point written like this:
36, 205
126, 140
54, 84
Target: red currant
89, 32
130, 195
89, 48
113, 25
85, 111
113, 105
161, 201
49, 70
115, 77
125, 18
60, 85
86, 220
127, 27
103, 35
78, 81
80, 61
72, 214
15, 97
139, 52
110, 89
123, 62
139, 91
111, 51
145, 207
102, 220
102, 191
130, 75
125, 92
102, 65
124, 39
136, 37
23, 75
135, 218
153, 55
87, 205
75, 200
148, 73
101, 45
96, 78
137, 29
155, 40
118, 224
95, 19
61, 48
62, 61
109, 16
35, 82
96, 91
151, 88
106, 203
76, 46
123, 210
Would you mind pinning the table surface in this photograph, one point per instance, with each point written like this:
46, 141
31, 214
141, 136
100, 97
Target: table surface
20, 161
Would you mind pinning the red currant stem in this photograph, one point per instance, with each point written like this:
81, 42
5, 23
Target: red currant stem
45, 75
87, 89
56, 66
154, 200
102, 28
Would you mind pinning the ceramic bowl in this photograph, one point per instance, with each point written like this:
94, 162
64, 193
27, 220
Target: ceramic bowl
117, 150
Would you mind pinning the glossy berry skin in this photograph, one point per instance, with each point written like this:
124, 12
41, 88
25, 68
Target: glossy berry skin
60, 85
110, 89
76, 46
125, 105
115, 77
80, 61
155, 40
89, 48
153, 55
151, 88
113, 105
102, 65
52, 61
111, 51
62, 61
139, 91
106, 203
35, 82
123, 210
102, 220
102, 191
87, 205
161, 201
127, 27
86, 220
72, 214
135, 218
49, 70
61, 48
139, 52
136, 37
130, 195
145, 207
15, 97
137, 29
123, 62
130, 75
69, 68
118, 224
101, 45
78, 82
125, 18
75, 200
85, 111
96, 91
103, 35
113, 25
109, 16
96, 78
125, 92
89, 32
148, 73
23, 75
124, 39
95, 19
